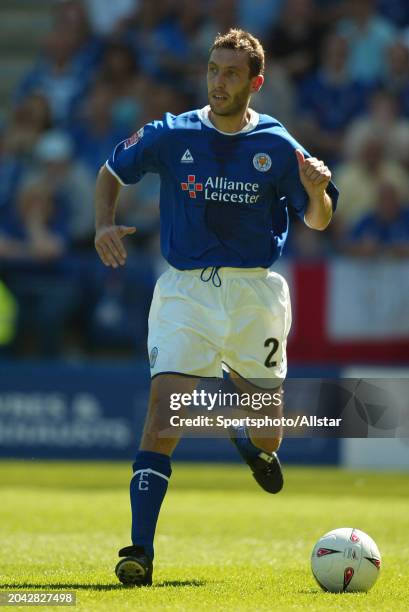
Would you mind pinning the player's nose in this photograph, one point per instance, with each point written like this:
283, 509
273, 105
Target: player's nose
219, 82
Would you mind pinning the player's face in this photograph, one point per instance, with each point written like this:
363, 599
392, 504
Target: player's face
229, 85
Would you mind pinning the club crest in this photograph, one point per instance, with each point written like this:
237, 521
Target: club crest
262, 162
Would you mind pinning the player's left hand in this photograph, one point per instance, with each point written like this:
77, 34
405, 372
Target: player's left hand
314, 174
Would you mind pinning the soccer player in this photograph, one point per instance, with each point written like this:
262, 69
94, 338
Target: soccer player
228, 176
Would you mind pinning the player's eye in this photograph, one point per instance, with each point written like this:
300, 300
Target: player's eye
212, 69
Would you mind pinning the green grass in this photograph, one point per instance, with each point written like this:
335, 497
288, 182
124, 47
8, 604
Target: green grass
222, 544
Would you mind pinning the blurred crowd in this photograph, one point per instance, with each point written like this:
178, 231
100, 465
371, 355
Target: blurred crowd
337, 76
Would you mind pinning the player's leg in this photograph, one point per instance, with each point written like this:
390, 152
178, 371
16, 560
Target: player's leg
266, 438
156, 436
180, 341
152, 465
258, 446
151, 474
256, 359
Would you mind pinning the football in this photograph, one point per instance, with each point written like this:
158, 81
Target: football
345, 560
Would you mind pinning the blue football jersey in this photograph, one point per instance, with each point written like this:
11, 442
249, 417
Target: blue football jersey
224, 197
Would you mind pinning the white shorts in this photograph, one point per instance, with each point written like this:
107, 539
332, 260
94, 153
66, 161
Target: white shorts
198, 329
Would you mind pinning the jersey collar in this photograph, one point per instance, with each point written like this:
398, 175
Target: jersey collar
203, 114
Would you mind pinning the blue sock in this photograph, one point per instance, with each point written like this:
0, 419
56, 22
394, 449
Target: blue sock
151, 473
244, 445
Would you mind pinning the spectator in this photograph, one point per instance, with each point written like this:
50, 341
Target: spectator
328, 100
119, 72
29, 120
277, 96
368, 36
38, 229
57, 76
359, 176
72, 16
328, 12
108, 17
71, 183
382, 118
32, 249
401, 152
158, 40
296, 40
219, 18
191, 19
11, 170
163, 98
396, 79
258, 16
385, 231
95, 134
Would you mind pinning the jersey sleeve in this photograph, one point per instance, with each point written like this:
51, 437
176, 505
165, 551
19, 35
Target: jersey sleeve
290, 185
137, 155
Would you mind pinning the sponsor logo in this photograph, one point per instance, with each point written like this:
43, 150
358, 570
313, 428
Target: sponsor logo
191, 186
187, 157
132, 140
262, 162
153, 356
221, 189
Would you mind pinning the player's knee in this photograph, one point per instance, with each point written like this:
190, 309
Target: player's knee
157, 445
154, 439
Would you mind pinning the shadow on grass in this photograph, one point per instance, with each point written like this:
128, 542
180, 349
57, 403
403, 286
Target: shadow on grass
97, 587
180, 583
313, 591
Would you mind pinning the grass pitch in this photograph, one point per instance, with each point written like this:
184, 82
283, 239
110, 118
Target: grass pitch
222, 544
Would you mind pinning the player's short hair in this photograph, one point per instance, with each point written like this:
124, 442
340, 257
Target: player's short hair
241, 40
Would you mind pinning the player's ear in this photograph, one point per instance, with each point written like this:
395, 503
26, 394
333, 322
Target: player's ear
257, 83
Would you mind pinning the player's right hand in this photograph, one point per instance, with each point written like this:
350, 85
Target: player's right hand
109, 246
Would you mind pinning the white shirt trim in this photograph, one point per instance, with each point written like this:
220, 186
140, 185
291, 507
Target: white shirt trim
203, 114
108, 167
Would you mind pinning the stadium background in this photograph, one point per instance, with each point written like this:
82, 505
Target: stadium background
77, 77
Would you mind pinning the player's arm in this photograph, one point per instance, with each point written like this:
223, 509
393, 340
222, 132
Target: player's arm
315, 177
305, 183
108, 236
129, 161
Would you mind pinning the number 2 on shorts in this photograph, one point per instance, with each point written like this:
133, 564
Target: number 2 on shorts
268, 362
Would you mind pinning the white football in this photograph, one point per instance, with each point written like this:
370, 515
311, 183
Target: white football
345, 559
